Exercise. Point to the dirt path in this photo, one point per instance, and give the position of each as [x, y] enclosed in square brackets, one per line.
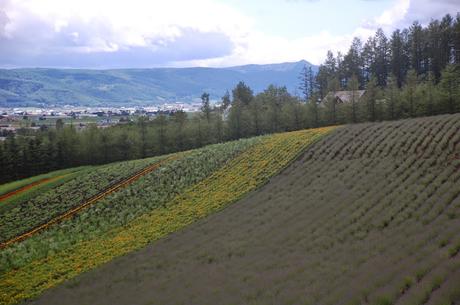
[29, 186]
[87, 203]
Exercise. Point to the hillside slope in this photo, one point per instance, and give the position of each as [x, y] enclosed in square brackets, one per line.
[63, 231]
[368, 215]
[122, 87]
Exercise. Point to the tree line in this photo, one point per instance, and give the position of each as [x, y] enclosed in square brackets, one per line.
[413, 73]
[240, 114]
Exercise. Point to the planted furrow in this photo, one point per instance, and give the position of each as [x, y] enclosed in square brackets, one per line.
[85, 204]
[237, 177]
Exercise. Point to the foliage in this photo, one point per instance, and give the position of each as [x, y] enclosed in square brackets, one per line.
[149, 192]
[35, 189]
[26, 215]
[13, 186]
[237, 177]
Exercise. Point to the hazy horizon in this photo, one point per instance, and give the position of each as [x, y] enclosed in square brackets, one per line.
[156, 67]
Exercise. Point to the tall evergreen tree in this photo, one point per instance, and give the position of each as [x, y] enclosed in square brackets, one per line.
[455, 52]
[353, 86]
[353, 62]
[142, 123]
[226, 101]
[371, 99]
[410, 92]
[393, 108]
[382, 58]
[206, 106]
[243, 93]
[450, 88]
[416, 42]
[331, 102]
[399, 58]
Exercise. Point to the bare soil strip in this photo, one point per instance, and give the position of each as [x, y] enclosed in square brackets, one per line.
[29, 186]
[93, 199]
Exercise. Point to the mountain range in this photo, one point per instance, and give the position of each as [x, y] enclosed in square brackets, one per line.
[123, 87]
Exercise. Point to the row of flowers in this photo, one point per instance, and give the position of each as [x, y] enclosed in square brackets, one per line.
[242, 174]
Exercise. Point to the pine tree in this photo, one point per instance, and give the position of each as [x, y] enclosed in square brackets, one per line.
[371, 99]
[455, 52]
[243, 93]
[428, 94]
[399, 59]
[353, 86]
[416, 47]
[331, 102]
[180, 120]
[410, 93]
[225, 101]
[393, 109]
[313, 110]
[450, 88]
[206, 106]
[142, 125]
[382, 58]
[353, 62]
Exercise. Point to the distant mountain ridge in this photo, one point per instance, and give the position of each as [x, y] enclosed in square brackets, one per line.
[116, 87]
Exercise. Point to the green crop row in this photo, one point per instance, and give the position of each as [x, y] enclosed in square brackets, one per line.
[25, 215]
[215, 185]
[117, 209]
[15, 185]
[31, 191]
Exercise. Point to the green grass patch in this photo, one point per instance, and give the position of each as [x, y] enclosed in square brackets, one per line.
[44, 187]
[15, 185]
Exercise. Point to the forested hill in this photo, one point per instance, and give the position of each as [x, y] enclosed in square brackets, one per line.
[35, 87]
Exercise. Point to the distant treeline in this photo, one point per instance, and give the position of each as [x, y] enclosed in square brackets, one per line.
[414, 73]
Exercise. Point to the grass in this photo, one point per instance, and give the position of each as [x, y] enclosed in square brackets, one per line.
[360, 216]
[30, 194]
[236, 178]
[15, 185]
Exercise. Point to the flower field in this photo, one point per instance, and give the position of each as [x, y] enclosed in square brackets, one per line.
[198, 183]
[26, 214]
[23, 190]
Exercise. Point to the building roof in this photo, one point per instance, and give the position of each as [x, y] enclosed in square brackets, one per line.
[345, 96]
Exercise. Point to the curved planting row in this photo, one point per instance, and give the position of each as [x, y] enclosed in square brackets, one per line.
[110, 189]
[26, 215]
[210, 190]
[117, 209]
[11, 187]
[27, 187]
[17, 192]
[382, 214]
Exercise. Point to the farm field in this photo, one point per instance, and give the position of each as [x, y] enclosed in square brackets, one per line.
[369, 214]
[15, 191]
[191, 186]
[21, 215]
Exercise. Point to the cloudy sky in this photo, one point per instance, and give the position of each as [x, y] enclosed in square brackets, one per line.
[154, 33]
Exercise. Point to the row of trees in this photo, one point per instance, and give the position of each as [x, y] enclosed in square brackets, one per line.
[240, 114]
[31, 152]
[425, 50]
[414, 73]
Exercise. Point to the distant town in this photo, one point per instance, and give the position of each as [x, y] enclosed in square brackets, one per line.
[14, 119]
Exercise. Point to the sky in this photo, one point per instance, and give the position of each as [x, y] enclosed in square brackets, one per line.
[101, 34]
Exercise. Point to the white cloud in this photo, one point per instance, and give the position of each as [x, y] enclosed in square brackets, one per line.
[88, 26]
[110, 33]
[393, 15]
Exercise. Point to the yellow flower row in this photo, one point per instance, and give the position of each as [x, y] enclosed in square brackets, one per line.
[239, 176]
